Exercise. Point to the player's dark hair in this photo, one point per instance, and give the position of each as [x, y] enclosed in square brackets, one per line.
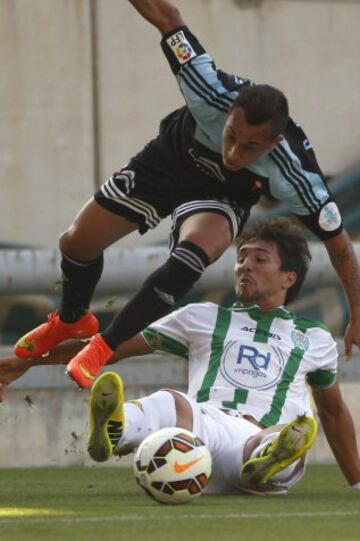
[292, 247]
[264, 103]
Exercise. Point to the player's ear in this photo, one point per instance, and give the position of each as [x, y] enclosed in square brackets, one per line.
[290, 278]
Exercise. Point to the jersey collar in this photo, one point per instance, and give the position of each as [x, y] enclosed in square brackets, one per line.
[279, 311]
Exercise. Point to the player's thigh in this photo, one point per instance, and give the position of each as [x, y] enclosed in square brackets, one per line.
[208, 230]
[137, 197]
[211, 224]
[202, 425]
[94, 229]
[218, 430]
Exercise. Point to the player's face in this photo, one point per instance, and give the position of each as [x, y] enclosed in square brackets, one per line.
[258, 278]
[243, 143]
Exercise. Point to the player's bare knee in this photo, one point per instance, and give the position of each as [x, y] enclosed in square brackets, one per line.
[68, 244]
[65, 242]
[73, 247]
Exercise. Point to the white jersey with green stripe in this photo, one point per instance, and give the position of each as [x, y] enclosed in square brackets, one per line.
[246, 359]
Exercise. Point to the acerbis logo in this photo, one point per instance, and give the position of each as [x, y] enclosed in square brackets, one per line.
[246, 366]
[261, 331]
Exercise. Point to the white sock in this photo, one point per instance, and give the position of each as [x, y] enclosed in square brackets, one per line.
[286, 474]
[145, 416]
[264, 442]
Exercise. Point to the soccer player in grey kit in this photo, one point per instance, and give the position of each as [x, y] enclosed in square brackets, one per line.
[232, 141]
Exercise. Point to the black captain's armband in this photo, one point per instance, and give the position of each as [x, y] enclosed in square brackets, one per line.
[326, 222]
[180, 46]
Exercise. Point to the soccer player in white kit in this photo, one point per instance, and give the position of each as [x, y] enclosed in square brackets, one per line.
[248, 368]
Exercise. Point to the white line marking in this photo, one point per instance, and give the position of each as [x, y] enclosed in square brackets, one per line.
[187, 516]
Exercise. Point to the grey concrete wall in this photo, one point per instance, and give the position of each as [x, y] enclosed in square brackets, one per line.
[46, 128]
[48, 427]
[44, 420]
[60, 133]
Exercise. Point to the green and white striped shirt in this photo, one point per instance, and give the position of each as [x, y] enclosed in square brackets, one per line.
[246, 359]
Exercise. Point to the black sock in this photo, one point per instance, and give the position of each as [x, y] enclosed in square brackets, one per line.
[79, 282]
[159, 293]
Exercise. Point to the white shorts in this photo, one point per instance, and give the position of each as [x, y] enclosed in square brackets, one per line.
[225, 436]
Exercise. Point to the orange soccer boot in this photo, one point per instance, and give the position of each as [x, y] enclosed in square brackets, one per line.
[44, 338]
[84, 367]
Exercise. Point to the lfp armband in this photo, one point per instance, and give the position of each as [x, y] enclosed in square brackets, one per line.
[180, 46]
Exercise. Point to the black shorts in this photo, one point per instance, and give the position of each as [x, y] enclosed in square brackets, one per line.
[148, 189]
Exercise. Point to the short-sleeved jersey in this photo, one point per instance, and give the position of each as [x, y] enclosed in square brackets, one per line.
[249, 360]
[191, 137]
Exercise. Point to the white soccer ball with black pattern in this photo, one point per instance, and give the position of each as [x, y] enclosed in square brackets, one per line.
[172, 465]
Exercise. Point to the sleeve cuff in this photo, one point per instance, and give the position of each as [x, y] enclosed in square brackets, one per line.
[161, 342]
[326, 222]
[321, 378]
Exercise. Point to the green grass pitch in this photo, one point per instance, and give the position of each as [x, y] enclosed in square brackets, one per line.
[93, 504]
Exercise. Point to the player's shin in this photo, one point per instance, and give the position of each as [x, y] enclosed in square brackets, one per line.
[159, 293]
[79, 281]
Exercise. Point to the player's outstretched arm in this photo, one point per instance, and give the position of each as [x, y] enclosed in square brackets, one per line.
[12, 367]
[339, 430]
[160, 13]
[343, 258]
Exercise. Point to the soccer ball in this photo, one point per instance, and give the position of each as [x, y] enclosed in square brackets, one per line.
[172, 465]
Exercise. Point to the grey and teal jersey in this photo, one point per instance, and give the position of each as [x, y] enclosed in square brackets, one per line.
[192, 137]
[256, 362]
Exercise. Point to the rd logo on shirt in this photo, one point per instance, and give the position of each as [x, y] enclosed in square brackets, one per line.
[246, 366]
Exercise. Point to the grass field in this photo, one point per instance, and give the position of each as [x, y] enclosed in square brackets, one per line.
[105, 504]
